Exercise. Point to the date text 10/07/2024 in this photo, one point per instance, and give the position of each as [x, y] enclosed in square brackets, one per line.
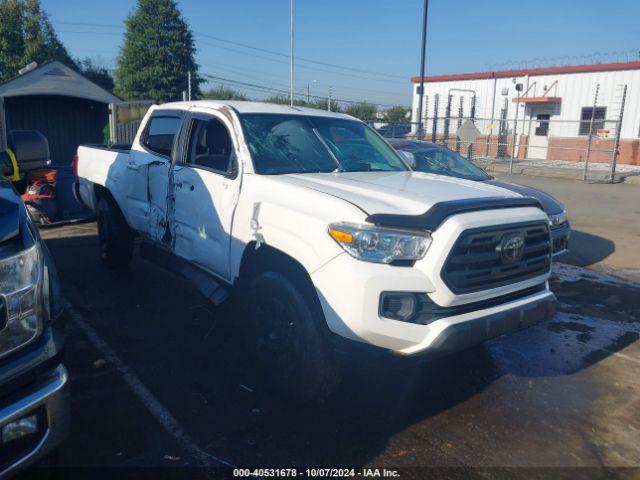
[316, 472]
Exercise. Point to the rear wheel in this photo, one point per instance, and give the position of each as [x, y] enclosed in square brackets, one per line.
[289, 337]
[114, 235]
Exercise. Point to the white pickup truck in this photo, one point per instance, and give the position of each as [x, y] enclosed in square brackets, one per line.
[327, 237]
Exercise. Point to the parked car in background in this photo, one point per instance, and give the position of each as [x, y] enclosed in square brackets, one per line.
[33, 381]
[328, 239]
[394, 130]
[433, 158]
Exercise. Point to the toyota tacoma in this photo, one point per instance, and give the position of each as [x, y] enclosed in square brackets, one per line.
[322, 231]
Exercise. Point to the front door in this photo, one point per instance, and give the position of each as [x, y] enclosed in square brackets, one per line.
[206, 186]
[539, 132]
[148, 173]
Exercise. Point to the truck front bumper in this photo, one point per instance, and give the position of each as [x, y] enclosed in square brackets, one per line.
[47, 402]
[351, 304]
[457, 333]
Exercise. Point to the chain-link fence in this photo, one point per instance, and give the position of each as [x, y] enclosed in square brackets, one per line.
[535, 137]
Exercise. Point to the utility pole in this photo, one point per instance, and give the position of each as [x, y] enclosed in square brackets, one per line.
[329, 100]
[422, 55]
[189, 85]
[292, 53]
[308, 96]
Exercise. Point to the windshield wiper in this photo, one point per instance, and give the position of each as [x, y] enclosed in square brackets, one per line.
[339, 168]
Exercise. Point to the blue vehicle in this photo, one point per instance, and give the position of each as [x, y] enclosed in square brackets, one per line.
[433, 158]
[34, 408]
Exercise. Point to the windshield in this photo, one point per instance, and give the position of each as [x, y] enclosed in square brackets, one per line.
[281, 143]
[443, 161]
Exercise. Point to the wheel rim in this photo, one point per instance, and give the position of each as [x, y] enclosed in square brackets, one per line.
[276, 339]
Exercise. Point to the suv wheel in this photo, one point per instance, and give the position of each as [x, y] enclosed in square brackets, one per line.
[290, 338]
[114, 235]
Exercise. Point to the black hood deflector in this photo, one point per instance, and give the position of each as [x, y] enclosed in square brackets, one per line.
[437, 214]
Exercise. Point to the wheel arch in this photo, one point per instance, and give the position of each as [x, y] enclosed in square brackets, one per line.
[265, 258]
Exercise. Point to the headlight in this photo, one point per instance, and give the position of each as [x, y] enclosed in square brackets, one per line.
[557, 220]
[20, 300]
[380, 245]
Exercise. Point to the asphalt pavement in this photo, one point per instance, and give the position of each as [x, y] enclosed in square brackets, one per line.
[160, 378]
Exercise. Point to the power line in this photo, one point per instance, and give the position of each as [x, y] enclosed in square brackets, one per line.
[283, 62]
[255, 48]
[259, 74]
[275, 60]
[281, 90]
[255, 86]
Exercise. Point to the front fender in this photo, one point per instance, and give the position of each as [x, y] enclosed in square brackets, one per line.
[293, 220]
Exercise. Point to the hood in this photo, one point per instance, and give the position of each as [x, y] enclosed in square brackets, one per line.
[550, 205]
[401, 193]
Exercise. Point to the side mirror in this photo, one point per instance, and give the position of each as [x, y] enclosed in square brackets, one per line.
[408, 157]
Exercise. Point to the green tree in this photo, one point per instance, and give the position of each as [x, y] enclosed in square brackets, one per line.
[322, 105]
[26, 35]
[319, 104]
[362, 110]
[223, 93]
[285, 100]
[157, 54]
[396, 114]
[98, 74]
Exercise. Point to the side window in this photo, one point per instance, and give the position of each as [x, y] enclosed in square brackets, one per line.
[210, 146]
[161, 133]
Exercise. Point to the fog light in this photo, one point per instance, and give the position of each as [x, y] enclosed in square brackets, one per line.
[20, 428]
[398, 306]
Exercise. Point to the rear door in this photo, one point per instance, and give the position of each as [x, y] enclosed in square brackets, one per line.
[206, 187]
[148, 173]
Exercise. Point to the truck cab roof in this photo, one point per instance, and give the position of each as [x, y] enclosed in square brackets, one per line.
[255, 107]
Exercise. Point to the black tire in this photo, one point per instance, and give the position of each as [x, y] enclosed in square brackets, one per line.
[289, 337]
[114, 235]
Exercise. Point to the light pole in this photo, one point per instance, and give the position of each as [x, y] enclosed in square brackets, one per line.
[309, 91]
[422, 55]
[292, 53]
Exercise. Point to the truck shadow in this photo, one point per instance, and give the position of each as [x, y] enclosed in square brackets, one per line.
[587, 249]
[193, 358]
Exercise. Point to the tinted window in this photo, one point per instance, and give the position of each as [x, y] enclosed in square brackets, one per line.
[304, 144]
[161, 133]
[210, 146]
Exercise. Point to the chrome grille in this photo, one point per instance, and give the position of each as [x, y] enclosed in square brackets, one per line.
[476, 263]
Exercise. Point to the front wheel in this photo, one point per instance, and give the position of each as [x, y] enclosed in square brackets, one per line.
[114, 235]
[290, 339]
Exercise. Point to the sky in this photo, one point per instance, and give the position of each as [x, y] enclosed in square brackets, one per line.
[366, 49]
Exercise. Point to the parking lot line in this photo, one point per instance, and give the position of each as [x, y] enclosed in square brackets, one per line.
[148, 399]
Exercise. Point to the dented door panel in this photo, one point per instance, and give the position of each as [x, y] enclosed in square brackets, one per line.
[202, 204]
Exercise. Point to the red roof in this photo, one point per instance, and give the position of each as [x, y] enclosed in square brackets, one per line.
[598, 67]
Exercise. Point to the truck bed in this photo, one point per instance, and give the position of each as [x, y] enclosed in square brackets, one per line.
[99, 165]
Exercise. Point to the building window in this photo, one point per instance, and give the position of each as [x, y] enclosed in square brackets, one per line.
[599, 115]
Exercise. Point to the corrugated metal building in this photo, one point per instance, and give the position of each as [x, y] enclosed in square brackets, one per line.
[554, 108]
[63, 105]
